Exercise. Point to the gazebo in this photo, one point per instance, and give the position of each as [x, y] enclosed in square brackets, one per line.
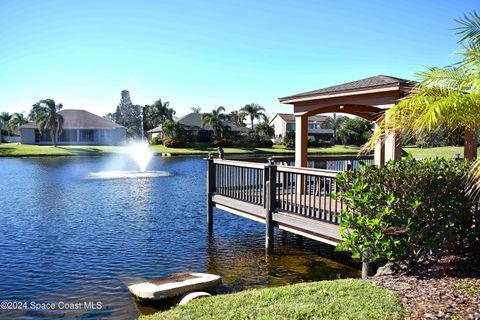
[367, 98]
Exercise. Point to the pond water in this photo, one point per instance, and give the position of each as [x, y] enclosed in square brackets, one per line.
[66, 237]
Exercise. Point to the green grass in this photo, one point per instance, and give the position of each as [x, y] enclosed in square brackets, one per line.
[339, 299]
[202, 149]
[21, 150]
[446, 152]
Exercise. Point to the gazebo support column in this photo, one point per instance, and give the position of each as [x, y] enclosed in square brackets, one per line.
[470, 144]
[379, 152]
[301, 140]
[393, 146]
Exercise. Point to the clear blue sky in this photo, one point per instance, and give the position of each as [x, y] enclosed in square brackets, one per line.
[210, 53]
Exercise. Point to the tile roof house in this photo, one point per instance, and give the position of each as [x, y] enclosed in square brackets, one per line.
[80, 127]
[283, 122]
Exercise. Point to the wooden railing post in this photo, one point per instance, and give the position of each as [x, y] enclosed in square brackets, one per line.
[210, 191]
[270, 199]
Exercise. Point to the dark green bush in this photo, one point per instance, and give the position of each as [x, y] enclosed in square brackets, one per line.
[289, 139]
[157, 140]
[407, 208]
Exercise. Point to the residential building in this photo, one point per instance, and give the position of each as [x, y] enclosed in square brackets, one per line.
[195, 127]
[80, 127]
[284, 122]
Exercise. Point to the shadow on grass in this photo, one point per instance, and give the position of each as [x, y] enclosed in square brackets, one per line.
[89, 150]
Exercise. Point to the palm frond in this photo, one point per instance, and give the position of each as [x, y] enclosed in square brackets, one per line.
[469, 28]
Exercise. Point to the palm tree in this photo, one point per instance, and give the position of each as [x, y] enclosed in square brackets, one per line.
[18, 120]
[196, 109]
[237, 118]
[255, 111]
[46, 115]
[215, 119]
[5, 119]
[335, 124]
[447, 97]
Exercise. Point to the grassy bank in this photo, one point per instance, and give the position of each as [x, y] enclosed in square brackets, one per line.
[279, 150]
[20, 150]
[340, 299]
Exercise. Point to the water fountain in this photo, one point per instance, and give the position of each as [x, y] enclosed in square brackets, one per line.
[141, 153]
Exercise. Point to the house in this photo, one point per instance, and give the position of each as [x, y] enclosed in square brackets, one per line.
[195, 127]
[284, 122]
[80, 127]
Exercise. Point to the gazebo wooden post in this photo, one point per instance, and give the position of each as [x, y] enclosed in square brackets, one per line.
[301, 147]
[301, 140]
[470, 144]
[393, 146]
[379, 152]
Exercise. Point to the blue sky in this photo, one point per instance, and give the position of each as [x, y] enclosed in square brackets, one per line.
[211, 53]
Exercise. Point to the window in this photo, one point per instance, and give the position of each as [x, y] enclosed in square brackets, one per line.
[87, 136]
[290, 127]
[42, 137]
[68, 136]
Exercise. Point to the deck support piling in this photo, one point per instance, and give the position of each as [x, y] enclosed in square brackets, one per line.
[270, 176]
[210, 191]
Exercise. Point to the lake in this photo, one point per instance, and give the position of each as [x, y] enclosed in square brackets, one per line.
[68, 240]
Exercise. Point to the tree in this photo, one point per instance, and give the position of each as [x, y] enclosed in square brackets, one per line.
[334, 123]
[215, 119]
[128, 115]
[264, 130]
[355, 131]
[157, 114]
[237, 118]
[18, 120]
[173, 129]
[196, 109]
[5, 120]
[254, 111]
[46, 115]
[447, 97]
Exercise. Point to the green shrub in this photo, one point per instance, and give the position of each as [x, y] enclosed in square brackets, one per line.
[265, 143]
[406, 208]
[157, 140]
[289, 139]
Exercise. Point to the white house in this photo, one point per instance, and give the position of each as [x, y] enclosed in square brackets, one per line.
[284, 122]
[80, 127]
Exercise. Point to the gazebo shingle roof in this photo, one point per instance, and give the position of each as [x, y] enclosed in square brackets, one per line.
[380, 81]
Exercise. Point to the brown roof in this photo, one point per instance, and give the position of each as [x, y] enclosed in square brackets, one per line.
[80, 119]
[289, 117]
[376, 82]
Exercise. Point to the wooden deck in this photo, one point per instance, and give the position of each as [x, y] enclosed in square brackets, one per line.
[298, 200]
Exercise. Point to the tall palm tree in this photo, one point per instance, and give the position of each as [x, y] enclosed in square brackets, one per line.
[254, 111]
[215, 119]
[46, 115]
[447, 97]
[5, 120]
